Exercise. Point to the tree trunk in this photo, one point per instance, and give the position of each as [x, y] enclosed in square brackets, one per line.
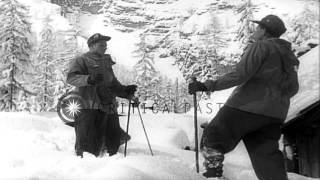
[11, 85]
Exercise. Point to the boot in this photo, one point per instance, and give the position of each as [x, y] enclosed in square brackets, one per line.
[79, 153]
[213, 162]
[111, 153]
[124, 137]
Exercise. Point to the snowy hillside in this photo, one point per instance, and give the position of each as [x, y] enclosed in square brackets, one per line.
[122, 44]
[40, 147]
[199, 20]
[40, 9]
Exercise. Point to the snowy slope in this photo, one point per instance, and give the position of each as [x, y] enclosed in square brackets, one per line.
[283, 8]
[40, 147]
[39, 10]
[122, 44]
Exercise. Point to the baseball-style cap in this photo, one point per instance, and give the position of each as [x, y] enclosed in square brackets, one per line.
[97, 37]
[273, 24]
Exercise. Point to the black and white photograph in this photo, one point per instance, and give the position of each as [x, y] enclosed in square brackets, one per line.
[159, 90]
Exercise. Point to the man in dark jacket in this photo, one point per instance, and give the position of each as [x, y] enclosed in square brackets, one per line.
[266, 77]
[97, 126]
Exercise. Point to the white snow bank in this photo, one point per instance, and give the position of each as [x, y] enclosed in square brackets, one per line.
[309, 81]
[164, 129]
[40, 147]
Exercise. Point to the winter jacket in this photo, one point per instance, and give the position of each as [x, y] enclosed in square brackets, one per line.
[266, 77]
[102, 95]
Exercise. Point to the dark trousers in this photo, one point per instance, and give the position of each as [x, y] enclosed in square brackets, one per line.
[259, 133]
[96, 131]
[111, 133]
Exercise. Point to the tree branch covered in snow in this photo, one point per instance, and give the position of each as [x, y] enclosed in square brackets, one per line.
[15, 51]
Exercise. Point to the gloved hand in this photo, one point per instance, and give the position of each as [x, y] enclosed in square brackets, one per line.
[95, 79]
[195, 86]
[131, 89]
[135, 101]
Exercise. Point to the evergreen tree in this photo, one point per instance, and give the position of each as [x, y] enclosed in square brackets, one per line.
[200, 58]
[15, 51]
[122, 74]
[146, 73]
[185, 100]
[304, 26]
[246, 28]
[65, 54]
[62, 62]
[176, 94]
[45, 66]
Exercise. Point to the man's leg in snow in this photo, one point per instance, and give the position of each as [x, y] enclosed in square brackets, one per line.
[267, 160]
[86, 130]
[113, 134]
[218, 138]
[81, 126]
[229, 126]
[213, 162]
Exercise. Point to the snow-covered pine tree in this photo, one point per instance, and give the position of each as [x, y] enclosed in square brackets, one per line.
[146, 73]
[62, 61]
[168, 101]
[176, 94]
[185, 100]
[45, 66]
[121, 72]
[246, 28]
[15, 51]
[68, 51]
[304, 26]
[199, 57]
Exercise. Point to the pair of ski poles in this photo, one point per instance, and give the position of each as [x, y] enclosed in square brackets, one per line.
[127, 130]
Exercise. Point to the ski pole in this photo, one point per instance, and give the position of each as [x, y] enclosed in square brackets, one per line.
[127, 130]
[196, 128]
[145, 133]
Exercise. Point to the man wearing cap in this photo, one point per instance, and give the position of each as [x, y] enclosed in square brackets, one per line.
[266, 79]
[97, 125]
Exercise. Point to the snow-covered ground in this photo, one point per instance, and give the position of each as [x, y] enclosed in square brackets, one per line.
[40, 147]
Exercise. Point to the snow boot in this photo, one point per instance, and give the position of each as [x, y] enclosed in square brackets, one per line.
[213, 162]
[124, 137]
[79, 153]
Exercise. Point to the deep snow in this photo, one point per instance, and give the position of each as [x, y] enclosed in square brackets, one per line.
[40, 147]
